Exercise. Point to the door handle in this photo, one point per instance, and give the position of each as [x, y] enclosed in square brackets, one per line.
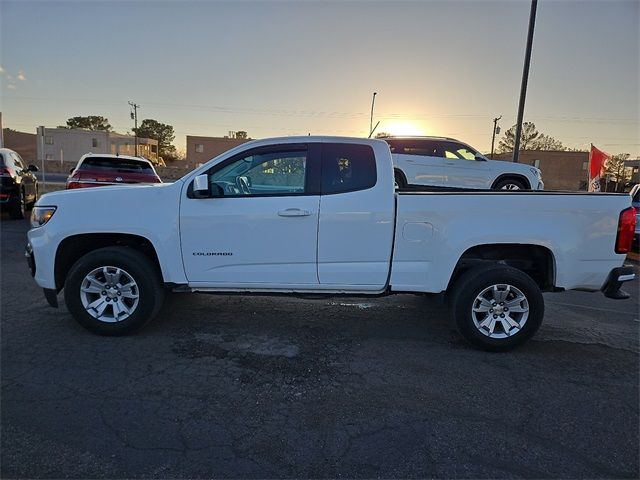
[294, 212]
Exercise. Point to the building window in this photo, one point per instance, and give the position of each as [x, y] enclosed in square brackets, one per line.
[154, 148]
[536, 163]
[585, 165]
[94, 142]
[199, 148]
[48, 156]
[48, 140]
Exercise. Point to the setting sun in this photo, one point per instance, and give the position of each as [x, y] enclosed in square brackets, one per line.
[402, 127]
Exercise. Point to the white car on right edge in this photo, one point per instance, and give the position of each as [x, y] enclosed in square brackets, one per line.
[446, 162]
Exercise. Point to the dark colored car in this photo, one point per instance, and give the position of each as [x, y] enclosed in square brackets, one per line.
[96, 170]
[19, 186]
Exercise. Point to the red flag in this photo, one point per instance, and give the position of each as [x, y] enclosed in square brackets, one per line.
[597, 161]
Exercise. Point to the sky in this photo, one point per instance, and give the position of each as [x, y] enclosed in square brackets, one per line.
[276, 68]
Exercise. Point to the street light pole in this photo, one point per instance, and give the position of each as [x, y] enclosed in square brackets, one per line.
[134, 117]
[525, 79]
[493, 138]
[373, 101]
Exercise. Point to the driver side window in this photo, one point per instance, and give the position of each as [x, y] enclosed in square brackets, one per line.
[458, 151]
[260, 174]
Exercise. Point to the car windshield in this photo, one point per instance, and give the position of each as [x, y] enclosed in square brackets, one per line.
[119, 164]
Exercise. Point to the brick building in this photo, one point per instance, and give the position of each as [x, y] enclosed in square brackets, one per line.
[560, 170]
[203, 149]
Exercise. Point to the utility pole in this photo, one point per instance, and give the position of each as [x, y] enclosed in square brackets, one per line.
[496, 131]
[373, 101]
[134, 117]
[525, 79]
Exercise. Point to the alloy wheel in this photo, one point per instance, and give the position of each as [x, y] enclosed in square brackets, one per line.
[109, 294]
[500, 311]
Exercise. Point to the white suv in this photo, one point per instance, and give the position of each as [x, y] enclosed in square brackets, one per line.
[445, 162]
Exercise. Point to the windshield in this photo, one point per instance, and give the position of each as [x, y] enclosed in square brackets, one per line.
[119, 164]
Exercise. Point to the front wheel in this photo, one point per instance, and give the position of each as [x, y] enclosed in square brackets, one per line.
[113, 291]
[510, 184]
[497, 308]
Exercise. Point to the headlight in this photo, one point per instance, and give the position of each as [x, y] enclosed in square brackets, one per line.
[536, 172]
[41, 215]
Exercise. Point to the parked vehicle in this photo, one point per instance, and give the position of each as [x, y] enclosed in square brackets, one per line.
[18, 186]
[320, 215]
[97, 170]
[446, 162]
[635, 202]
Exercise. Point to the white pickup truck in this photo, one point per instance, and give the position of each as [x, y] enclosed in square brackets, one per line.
[320, 215]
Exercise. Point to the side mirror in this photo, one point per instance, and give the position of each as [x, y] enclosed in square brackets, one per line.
[32, 168]
[201, 187]
[480, 158]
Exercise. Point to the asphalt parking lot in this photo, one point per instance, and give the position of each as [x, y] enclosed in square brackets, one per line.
[255, 387]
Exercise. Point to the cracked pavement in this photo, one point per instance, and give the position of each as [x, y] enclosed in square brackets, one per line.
[255, 387]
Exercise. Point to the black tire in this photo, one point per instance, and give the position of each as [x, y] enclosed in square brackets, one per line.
[17, 210]
[399, 179]
[138, 266]
[465, 297]
[513, 182]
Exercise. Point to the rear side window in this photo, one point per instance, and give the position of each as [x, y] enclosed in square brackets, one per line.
[636, 196]
[427, 148]
[2, 164]
[119, 164]
[347, 168]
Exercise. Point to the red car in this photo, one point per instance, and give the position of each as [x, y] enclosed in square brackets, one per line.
[96, 170]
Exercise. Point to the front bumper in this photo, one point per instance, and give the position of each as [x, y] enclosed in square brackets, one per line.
[50, 294]
[616, 278]
[31, 261]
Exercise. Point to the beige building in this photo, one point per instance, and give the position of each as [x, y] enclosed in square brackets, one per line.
[560, 170]
[203, 149]
[68, 144]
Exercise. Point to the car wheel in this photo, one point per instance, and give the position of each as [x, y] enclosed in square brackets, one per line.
[399, 179]
[17, 210]
[113, 291]
[510, 184]
[497, 308]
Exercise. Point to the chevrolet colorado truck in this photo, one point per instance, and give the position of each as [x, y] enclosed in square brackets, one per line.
[321, 215]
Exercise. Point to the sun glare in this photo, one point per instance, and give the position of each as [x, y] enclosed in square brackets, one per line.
[404, 127]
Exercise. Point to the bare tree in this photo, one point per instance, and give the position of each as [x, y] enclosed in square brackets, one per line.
[616, 170]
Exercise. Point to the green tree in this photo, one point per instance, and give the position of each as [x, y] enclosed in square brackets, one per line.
[617, 171]
[91, 122]
[242, 134]
[530, 139]
[546, 142]
[382, 135]
[161, 132]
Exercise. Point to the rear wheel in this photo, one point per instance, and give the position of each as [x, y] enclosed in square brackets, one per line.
[510, 184]
[497, 308]
[17, 210]
[113, 291]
